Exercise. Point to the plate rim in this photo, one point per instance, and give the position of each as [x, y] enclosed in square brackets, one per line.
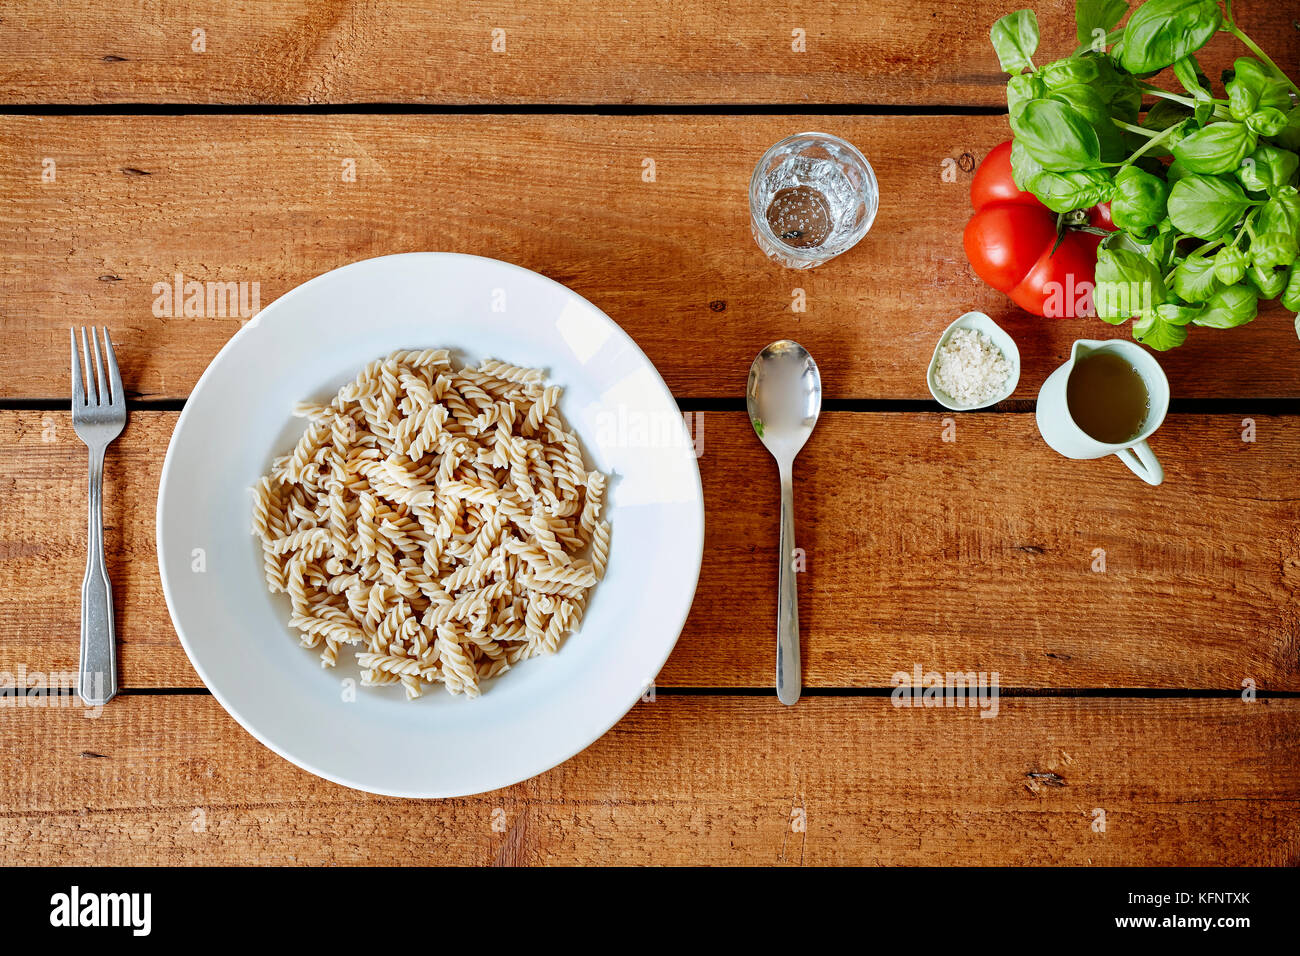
[160, 549]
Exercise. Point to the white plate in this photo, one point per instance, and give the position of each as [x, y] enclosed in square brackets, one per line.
[306, 345]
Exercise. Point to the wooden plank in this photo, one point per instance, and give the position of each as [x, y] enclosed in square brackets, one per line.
[975, 554]
[168, 780]
[555, 51]
[260, 200]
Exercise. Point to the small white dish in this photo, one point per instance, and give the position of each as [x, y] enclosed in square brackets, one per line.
[978, 322]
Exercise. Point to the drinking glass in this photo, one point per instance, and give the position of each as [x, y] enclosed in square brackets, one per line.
[812, 197]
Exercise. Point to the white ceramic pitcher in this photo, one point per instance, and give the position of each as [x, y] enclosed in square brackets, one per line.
[1062, 434]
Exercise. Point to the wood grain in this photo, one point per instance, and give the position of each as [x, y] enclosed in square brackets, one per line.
[556, 51]
[974, 554]
[260, 199]
[690, 780]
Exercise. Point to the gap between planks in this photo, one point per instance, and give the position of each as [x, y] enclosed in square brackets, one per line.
[495, 109]
[1118, 693]
[1185, 406]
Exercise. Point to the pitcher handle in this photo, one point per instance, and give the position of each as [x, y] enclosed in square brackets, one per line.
[1142, 462]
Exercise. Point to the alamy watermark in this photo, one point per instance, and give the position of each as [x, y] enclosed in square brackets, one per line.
[130, 910]
[192, 299]
[625, 428]
[949, 689]
[48, 689]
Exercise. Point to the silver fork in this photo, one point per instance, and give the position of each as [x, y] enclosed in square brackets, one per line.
[98, 416]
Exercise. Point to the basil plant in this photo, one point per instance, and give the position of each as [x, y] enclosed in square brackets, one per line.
[1203, 187]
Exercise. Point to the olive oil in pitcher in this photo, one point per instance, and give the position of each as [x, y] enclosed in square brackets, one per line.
[1108, 398]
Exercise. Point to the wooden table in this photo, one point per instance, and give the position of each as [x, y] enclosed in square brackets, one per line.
[140, 141]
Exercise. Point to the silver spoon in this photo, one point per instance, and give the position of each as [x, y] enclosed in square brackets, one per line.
[784, 397]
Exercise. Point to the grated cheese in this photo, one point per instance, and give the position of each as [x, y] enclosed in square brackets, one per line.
[972, 370]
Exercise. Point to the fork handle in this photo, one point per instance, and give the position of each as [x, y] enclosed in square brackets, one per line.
[97, 677]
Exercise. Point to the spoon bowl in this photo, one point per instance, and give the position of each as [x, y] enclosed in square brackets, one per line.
[784, 398]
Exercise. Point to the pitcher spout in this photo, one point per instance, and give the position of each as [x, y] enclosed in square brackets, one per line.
[1083, 348]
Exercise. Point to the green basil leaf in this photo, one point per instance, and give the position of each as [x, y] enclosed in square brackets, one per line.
[1177, 314]
[1194, 80]
[1071, 71]
[1281, 213]
[1291, 294]
[1174, 172]
[1119, 239]
[1289, 136]
[1127, 284]
[1164, 114]
[1117, 88]
[1022, 88]
[1088, 103]
[1159, 249]
[1204, 108]
[1077, 189]
[1229, 307]
[1230, 265]
[1269, 250]
[1015, 39]
[1266, 121]
[1161, 32]
[1139, 200]
[1217, 148]
[1205, 206]
[1189, 73]
[1157, 332]
[1057, 136]
[1023, 166]
[1194, 279]
[1097, 72]
[1095, 18]
[1268, 283]
[1254, 86]
[1268, 168]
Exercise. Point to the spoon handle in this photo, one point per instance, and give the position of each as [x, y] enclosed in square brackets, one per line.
[789, 679]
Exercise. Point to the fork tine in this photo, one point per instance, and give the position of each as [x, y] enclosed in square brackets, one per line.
[101, 383]
[91, 397]
[114, 376]
[78, 390]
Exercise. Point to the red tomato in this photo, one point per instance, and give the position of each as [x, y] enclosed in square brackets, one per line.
[994, 182]
[1099, 216]
[1010, 239]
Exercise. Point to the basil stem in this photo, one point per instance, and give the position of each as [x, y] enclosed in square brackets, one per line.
[1133, 129]
[1245, 227]
[1220, 106]
[1230, 26]
[1154, 141]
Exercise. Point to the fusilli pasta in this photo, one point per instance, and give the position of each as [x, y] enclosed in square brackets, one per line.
[439, 520]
